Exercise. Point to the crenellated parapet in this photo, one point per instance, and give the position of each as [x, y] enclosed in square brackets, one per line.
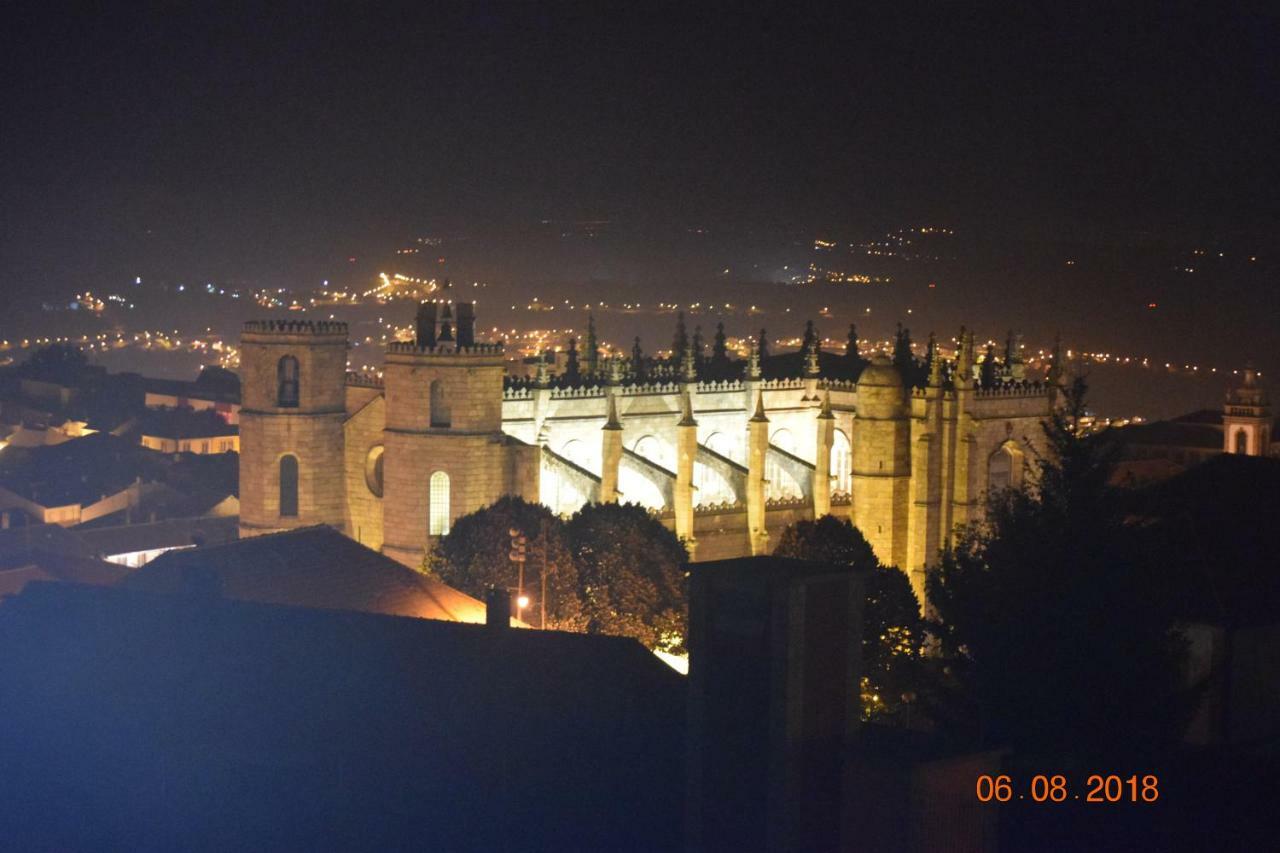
[364, 380]
[714, 386]
[1012, 389]
[578, 392]
[295, 327]
[446, 349]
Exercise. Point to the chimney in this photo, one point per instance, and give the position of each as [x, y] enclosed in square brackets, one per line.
[498, 608]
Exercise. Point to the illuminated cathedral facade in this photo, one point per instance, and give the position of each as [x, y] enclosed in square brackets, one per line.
[726, 455]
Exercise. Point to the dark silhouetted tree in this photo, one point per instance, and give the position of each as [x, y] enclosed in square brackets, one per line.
[630, 575]
[593, 347]
[637, 361]
[1050, 613]
[762, 345]
[893, 636]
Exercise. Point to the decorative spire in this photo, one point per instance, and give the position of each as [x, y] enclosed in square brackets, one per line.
[611, 421]
[680, 341]
[720, 348]
[572, 373]
[760, 415]
[686, 409]
[688, 365]
[825, 412]
[935, 363]
[593, 346]
[811, 358]
[543, 377]
[615, 370]
[753, 361]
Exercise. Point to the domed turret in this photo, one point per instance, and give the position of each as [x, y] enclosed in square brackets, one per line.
[880, 390]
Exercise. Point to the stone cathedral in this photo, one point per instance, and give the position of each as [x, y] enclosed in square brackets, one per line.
[726, 457]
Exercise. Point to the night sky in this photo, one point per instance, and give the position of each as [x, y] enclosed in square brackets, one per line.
[208, 141]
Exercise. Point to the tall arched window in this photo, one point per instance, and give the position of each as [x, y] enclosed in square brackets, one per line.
[1242, 442]
[287, 382]
[1004, 468]
[780, 482]
[288, 486]
[440, 414]
[841, 463]
[438, 522]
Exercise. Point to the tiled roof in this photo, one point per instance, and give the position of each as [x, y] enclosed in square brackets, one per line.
[311, 567]
[17, 544]
[173, 533]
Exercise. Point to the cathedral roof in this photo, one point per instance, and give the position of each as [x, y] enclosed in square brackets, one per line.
[310, 567]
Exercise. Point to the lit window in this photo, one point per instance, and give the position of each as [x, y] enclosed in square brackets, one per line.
[438, 524]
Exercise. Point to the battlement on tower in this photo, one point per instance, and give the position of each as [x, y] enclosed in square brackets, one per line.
[412, 348]
[295, 327]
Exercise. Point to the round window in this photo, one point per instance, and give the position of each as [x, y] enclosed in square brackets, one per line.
[373, 470]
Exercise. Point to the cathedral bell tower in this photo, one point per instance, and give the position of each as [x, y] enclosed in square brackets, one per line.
[1246, 420]
[292, 380]
[443, 434]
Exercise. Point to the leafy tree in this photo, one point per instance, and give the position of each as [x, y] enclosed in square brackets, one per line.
[631, 575]
[699, 356]
[475, 554]
[762, 345]
[902, 356]
[1051, 621]
[893, 633]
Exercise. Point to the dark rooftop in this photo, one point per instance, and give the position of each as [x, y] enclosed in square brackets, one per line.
[310, 567]
[184, 422]
[171, 533]
[80, 471]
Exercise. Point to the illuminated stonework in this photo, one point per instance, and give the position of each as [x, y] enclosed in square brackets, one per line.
[726, 464]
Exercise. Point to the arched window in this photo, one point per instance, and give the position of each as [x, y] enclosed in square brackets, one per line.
[288, 487]
[1242, 442]
[287, 382]
[1004, 468]
[780, 482]
[440, 414]
[438, 523]
[841, 463]
[650, 448]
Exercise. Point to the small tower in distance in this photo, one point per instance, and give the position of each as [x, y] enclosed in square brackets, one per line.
[1246, 420]
[292, 379]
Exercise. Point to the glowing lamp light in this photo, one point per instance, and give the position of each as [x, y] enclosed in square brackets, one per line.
[522, 602]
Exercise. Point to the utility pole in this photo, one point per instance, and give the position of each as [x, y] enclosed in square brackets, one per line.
[518, 557]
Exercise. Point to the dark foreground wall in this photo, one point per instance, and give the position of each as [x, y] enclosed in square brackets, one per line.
[143, 722]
